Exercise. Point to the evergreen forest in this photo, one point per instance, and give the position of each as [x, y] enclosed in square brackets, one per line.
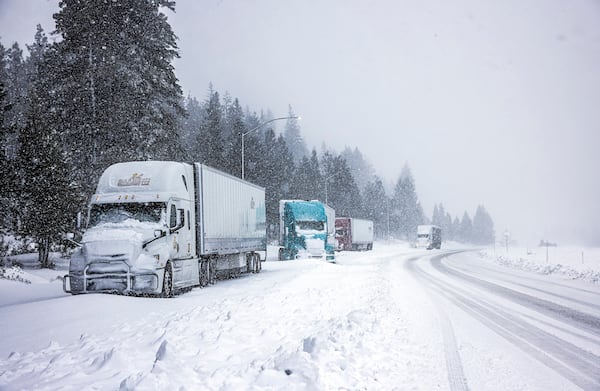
[105, 91]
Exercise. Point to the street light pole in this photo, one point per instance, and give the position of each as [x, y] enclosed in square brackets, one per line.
[256, 128]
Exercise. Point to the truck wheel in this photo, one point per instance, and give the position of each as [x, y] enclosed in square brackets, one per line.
[212, 271]
[167, 290]
[255, 263]
[204, 276]
[258, 264]
[280, 254]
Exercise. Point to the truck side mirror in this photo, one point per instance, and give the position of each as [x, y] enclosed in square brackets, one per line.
[70, 237]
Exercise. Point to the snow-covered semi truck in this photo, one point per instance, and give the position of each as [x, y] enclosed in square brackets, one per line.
[353, 234]
[429, 237]
[303, 230]
[159, 228]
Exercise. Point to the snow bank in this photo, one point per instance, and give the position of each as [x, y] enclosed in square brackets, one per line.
[567, 262]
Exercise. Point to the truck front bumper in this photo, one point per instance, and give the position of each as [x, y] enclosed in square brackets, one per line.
[112, 277]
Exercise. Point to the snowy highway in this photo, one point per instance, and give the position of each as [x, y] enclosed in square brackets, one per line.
[391, 318]
[554, 324]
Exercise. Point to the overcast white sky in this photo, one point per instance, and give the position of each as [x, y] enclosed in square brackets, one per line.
[492, 102]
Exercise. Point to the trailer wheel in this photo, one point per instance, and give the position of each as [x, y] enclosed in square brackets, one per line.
[212, 270]
[255, 259]
[167, 290]
[249, 263]
[258, 263]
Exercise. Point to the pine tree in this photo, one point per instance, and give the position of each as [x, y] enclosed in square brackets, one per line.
[444, 222]
[115, 84]
[47, 197]
[17, 85]
[5, 166]
[308, 183]
[466, 229]
[406, 210]
[190, 127]
[293, 139]
[435, 216]
[341, 191]
[362, 171]
[483, 227]
[210, 137]
[448, 229]
[456, 234]
[377, 207]
[235, 126]
[280, 170]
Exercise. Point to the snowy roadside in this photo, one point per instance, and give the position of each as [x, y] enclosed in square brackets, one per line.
[362, 323]
[27, 282]
[298, 325]
[572, 263]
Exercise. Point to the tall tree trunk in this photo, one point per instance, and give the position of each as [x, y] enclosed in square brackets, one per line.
[43, 252]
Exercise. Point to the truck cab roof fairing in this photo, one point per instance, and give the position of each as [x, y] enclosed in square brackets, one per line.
[307, 210]
[147, 177]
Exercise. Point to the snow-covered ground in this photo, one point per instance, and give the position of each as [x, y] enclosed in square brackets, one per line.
[365, 322]
[569, 262]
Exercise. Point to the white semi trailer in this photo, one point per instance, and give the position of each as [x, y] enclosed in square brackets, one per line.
[160, 228]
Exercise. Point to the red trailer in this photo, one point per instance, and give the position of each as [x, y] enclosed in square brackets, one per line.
[353, 234]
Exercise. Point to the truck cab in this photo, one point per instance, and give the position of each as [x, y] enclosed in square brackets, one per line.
[429, 237]
[303, 230]
[139, 219]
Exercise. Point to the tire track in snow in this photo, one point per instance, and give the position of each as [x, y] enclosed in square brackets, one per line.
[581, 320]
[456, 376]
[579, 366]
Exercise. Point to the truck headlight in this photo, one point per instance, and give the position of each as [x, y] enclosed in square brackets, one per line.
[145, 282]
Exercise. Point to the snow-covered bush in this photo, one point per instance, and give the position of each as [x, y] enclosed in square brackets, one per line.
[13, 273]
[12, 245]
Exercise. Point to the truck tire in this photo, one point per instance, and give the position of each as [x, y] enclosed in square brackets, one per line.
[167, 290]
[212, 270]
[204, 273]
[256, 266]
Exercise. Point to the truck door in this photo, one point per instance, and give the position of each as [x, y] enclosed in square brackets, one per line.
[181, 252]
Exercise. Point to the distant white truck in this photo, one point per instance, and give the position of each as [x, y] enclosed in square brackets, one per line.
[353, 234]
[159, 228]
[429, 237]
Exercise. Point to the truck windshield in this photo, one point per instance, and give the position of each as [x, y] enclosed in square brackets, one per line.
[310, 225]
[340, 232]
[152, 212]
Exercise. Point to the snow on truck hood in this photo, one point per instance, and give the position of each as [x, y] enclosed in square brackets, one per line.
[131, 231]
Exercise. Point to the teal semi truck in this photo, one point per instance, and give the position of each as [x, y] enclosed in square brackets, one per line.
[304, 228]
